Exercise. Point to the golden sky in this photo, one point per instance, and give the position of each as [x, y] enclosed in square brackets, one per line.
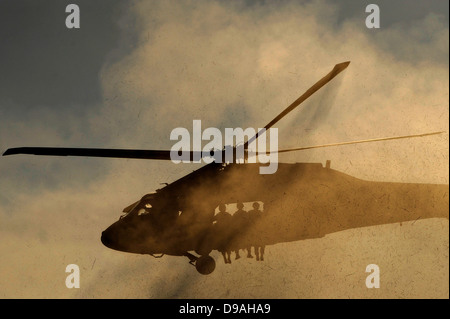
[235, 65]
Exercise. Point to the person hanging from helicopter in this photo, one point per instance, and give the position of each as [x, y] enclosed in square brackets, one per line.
[240, 225]
[223, 222]
[255, 216]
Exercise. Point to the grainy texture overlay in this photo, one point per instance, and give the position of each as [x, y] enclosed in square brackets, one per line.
[135, 70]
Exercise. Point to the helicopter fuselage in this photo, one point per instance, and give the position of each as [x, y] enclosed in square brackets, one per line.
[301, 201]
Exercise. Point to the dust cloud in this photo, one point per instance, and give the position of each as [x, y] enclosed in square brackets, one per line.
[233, 65]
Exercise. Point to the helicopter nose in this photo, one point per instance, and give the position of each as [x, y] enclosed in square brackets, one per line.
[106, 239]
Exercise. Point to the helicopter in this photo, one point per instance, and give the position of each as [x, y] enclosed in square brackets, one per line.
[300, 201]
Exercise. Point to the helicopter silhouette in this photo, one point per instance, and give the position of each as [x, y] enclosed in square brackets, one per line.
[301, 201]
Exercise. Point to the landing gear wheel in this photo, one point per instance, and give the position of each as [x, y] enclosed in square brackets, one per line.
[204, 246]
[205, 265]
[203, 250]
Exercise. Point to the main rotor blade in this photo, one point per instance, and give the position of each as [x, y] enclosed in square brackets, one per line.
[338, 68]
[353, 142]
[93, 152]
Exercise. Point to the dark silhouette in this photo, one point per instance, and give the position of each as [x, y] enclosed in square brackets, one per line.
[255, 216]
[223, 225]
[240, 225]
[301, 201]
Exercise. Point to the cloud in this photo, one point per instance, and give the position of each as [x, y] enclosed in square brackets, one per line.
[192, 60]
[232, 65]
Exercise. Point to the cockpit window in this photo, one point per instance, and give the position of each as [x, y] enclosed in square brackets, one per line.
[140, 208]
[145, 210]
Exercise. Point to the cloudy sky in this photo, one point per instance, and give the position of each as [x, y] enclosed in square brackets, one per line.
[136, 70]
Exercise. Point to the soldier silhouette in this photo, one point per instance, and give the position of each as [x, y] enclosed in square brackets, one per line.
[240, 225]
[254, 217]
[223, 223]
